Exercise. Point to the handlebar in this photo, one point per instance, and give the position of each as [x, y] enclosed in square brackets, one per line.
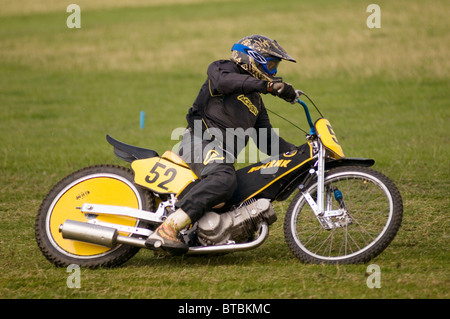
[312, 130]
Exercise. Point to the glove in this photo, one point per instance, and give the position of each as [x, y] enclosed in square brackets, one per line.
[283, 90]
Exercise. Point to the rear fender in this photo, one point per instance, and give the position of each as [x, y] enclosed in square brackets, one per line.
[129, 153]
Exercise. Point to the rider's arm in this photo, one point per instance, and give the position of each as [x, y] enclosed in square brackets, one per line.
[225, 78]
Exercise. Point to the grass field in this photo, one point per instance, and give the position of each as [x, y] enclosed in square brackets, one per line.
[385, 90]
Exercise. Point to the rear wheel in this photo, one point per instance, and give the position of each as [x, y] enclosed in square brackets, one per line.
[102, 184]
[366, 219]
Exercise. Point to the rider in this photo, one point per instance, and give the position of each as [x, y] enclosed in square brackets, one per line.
[229, 99]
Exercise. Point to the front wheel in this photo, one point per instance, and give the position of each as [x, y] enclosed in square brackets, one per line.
[367, 212]
[101, 184]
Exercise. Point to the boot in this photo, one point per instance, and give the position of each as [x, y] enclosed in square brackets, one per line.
[165, 236]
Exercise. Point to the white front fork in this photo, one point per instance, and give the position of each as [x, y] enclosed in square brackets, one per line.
[320, 179]
[318, 206]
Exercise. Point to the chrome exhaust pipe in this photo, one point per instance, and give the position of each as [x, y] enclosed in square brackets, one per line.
[109, 237]
[96, 234]
[229, 248]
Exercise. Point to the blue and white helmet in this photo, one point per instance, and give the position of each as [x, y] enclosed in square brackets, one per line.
[259, 55]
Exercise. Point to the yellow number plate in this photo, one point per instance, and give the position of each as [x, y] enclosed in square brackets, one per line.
[328, 138]
[161, 175]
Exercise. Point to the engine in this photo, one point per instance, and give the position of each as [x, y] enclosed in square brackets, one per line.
[237, 225]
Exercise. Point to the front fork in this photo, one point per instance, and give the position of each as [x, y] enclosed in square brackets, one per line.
[322, 207]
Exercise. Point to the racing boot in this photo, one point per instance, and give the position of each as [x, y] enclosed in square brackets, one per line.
[165, 236]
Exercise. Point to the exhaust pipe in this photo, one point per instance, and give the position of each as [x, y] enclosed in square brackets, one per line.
[230, 248]
[109, 237]
[97, 234]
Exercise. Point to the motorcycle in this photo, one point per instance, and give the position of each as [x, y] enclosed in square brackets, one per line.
[343, 212]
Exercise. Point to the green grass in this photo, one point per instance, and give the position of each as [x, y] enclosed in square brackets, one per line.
[384, 90]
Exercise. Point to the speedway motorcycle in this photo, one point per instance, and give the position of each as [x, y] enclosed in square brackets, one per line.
[343, 211]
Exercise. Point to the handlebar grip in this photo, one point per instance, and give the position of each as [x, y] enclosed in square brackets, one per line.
[298, 93]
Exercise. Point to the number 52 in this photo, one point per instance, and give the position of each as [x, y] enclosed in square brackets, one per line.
[170, 173]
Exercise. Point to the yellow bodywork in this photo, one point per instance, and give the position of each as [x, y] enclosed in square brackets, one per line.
[164, 175]
[328, 138]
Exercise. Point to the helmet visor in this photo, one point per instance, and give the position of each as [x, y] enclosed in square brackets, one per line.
[272, 65]
[269, 64]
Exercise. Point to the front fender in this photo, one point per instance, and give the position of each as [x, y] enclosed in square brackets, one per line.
[305, 177]
[349, 161]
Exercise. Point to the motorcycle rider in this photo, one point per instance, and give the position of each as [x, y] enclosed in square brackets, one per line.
[229, 98]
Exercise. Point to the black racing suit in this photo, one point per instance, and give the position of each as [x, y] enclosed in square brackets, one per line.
[227, 111]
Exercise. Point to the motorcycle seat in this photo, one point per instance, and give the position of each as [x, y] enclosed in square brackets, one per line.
[129, 152]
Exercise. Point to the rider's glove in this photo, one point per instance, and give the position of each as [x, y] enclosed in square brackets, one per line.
[283, 90]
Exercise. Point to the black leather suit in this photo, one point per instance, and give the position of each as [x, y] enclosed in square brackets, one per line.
[226, 111]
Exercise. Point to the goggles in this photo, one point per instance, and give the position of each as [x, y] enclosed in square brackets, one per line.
[269, 64]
